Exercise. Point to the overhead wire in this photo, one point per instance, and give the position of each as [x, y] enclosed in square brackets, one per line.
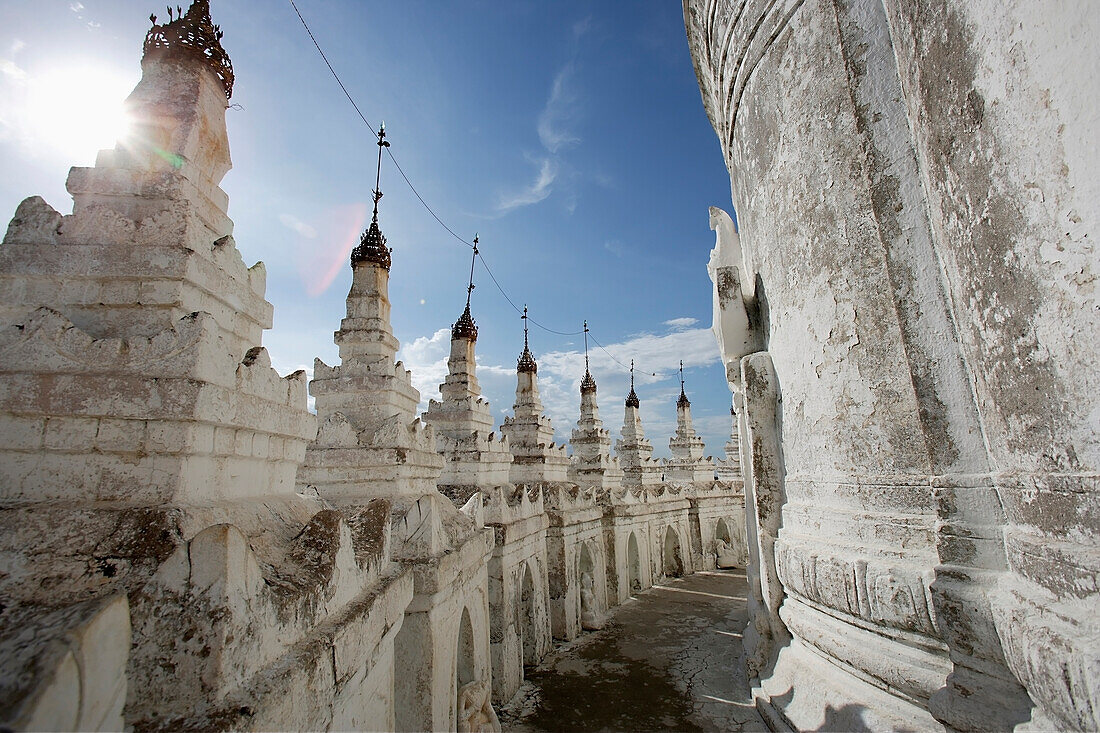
[424, 203]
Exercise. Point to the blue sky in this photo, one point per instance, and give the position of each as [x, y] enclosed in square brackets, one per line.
[569, 135]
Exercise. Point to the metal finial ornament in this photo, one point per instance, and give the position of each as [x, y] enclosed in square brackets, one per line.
[465, 327]
[191, 35]
[382, 143]
[473, 259]
[526, 361]
[372, 247]
[632, 398]
[588, 384]
[683, 401]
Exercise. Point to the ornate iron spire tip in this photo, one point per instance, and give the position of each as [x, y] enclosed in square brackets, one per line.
[526, 361]
[191, 35]
[588, 384]
[464, 327]
[372, 247]
[632, 398]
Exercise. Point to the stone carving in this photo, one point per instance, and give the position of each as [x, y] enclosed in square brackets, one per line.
[591, 618]
[725, 556]
[735, 322]
[475, 711]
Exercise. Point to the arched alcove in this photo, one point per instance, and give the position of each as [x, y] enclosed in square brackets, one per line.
[722, 532]
[673, 555]
[634, 564]
[465, 669]
[528, 628]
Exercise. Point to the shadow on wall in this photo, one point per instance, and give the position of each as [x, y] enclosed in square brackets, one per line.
[846, 717]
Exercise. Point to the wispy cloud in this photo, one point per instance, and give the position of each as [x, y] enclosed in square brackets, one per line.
[615, 247]
[555, 130]
[534, 193]
[295, 224]
[554, 133]
[8, 67]
[680, 324]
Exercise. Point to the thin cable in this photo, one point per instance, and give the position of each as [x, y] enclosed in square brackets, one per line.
[332, 70]
[425, 203]
[624, 366]
[517, 309]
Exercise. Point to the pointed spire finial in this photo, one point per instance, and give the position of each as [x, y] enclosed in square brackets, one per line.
[526, 361]
[588, 384]
[465, 327]
[378, 172]
[473, 259]
[632, 398]
[372, 245]
[586, 346]
[683, 401]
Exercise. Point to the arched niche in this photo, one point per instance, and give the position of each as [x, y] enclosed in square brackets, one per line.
[634, 564]
[528, 617]
[673, 565]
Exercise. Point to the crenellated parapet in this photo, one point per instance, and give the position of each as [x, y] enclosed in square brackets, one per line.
[172, 418]
[505, 505]
[235, 613]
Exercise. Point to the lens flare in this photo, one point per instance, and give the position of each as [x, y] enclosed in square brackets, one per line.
[321, 258]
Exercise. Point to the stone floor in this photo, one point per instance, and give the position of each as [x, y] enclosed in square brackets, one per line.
[668, 659]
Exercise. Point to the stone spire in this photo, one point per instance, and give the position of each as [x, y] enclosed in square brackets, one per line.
[367, 403]
[143, 286]
[172, 164]
[634, 451]
[592, 464]
[687, 465]
[730, 468]
[529, 432]
[462, 421]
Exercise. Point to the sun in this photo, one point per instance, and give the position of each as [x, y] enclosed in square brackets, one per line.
[74, 110]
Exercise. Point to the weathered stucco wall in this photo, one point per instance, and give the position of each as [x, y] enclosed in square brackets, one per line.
[914, 188]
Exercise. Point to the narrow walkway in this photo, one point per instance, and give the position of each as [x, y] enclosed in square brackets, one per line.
[668, 660]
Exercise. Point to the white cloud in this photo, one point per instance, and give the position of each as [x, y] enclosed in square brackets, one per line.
[76, 7]
[553, 130]
[426, 357]
[534, 193]
[681, 323]
[657, 360]
[8, 67]
[297, 225]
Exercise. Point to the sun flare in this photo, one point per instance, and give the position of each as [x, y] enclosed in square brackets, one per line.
[74, 111]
